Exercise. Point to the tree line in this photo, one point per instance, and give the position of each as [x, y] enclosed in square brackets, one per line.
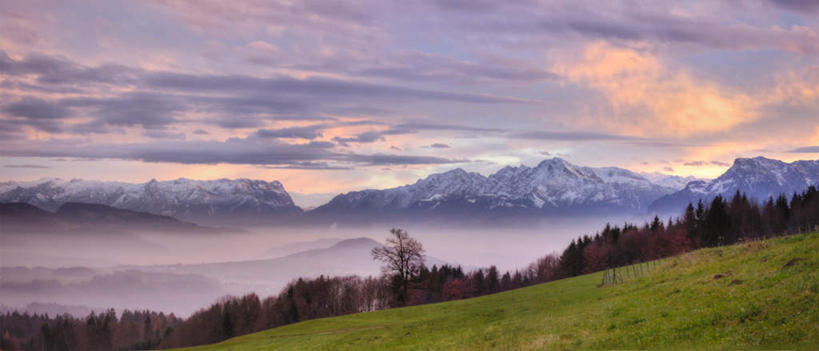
[407, 281]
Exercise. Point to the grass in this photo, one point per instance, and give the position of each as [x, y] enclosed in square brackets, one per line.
[760, 302]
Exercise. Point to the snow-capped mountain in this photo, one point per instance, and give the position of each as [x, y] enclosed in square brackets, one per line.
[669, 180]
[553, 186]
[181, 198]
[758, 177]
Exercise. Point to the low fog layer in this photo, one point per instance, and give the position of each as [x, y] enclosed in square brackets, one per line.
[181, 272]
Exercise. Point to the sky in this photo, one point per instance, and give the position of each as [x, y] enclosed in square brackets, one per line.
[335, 96]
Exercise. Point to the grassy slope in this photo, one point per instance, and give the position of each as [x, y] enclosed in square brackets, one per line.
[678, 305]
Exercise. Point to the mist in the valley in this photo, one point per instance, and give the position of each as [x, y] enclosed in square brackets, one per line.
[181, 272]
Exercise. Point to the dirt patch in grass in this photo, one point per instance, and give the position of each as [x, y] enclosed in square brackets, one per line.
[793, 262]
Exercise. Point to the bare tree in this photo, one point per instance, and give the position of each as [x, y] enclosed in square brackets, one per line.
[403, 257]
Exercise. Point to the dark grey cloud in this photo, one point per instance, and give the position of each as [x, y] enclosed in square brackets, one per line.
[157, 100]
[251, 150]
[34, 112]
[59, 70]
[148, 110]
[200, 132]
[36, 108]
[366, 137]
[239, 122]
[807, 149]
[308, 132]
[439, 146]
[332, 89]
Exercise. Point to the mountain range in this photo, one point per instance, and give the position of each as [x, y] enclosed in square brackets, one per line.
[553, 187]
[89, 218]
[759, 178]
[196, 200]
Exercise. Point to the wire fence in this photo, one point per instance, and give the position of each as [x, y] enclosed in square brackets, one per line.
[618, 275]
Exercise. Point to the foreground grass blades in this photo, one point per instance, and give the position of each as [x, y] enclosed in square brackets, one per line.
[756, 295]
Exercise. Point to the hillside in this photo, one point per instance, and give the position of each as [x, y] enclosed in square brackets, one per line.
[753, 295]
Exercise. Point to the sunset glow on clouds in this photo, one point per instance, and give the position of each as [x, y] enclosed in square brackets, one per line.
[336, 96]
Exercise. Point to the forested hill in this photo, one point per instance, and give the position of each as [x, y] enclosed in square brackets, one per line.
[755, 295]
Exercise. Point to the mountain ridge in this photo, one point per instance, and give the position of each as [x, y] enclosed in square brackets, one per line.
[554, 185]
[199, 200]
[758, 177]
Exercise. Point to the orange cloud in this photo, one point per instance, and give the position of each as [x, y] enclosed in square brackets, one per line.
[648, 98]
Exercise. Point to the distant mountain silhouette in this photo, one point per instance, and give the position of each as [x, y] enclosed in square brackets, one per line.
[88, 218]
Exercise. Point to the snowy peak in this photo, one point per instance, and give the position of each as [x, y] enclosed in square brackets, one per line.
[554, 185]
[182, 198]
[670, 181]
[758, 177]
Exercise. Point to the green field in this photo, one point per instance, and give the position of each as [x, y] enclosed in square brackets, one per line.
[767, 298]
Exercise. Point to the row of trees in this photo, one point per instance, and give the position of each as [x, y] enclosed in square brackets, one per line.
[719, 222]
[132, 330]
[407, 281]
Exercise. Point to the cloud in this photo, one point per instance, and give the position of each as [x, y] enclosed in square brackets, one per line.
[331, 89]
[160, 134]
[148, 110]
[703, 24]
[806, 149]
[439, 146]
[387, 159]
[37, 113]
[55, 70]
[26, 166]
[572, 136]
[36, 108]
[309, 132]
[705, 163]
[366, 137]
[807, 6]
[122, 96]
[648, 98]
[309, 166]
[252, 150]
[413, 127]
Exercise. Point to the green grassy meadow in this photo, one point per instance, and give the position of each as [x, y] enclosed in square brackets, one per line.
[766, 298]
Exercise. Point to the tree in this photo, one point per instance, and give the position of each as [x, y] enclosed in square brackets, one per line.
[492, 279]
[403, 257]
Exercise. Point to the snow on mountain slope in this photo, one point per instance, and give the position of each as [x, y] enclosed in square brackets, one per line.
[554, 184]
[182, 198]
[757, 177]
[669, 180]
